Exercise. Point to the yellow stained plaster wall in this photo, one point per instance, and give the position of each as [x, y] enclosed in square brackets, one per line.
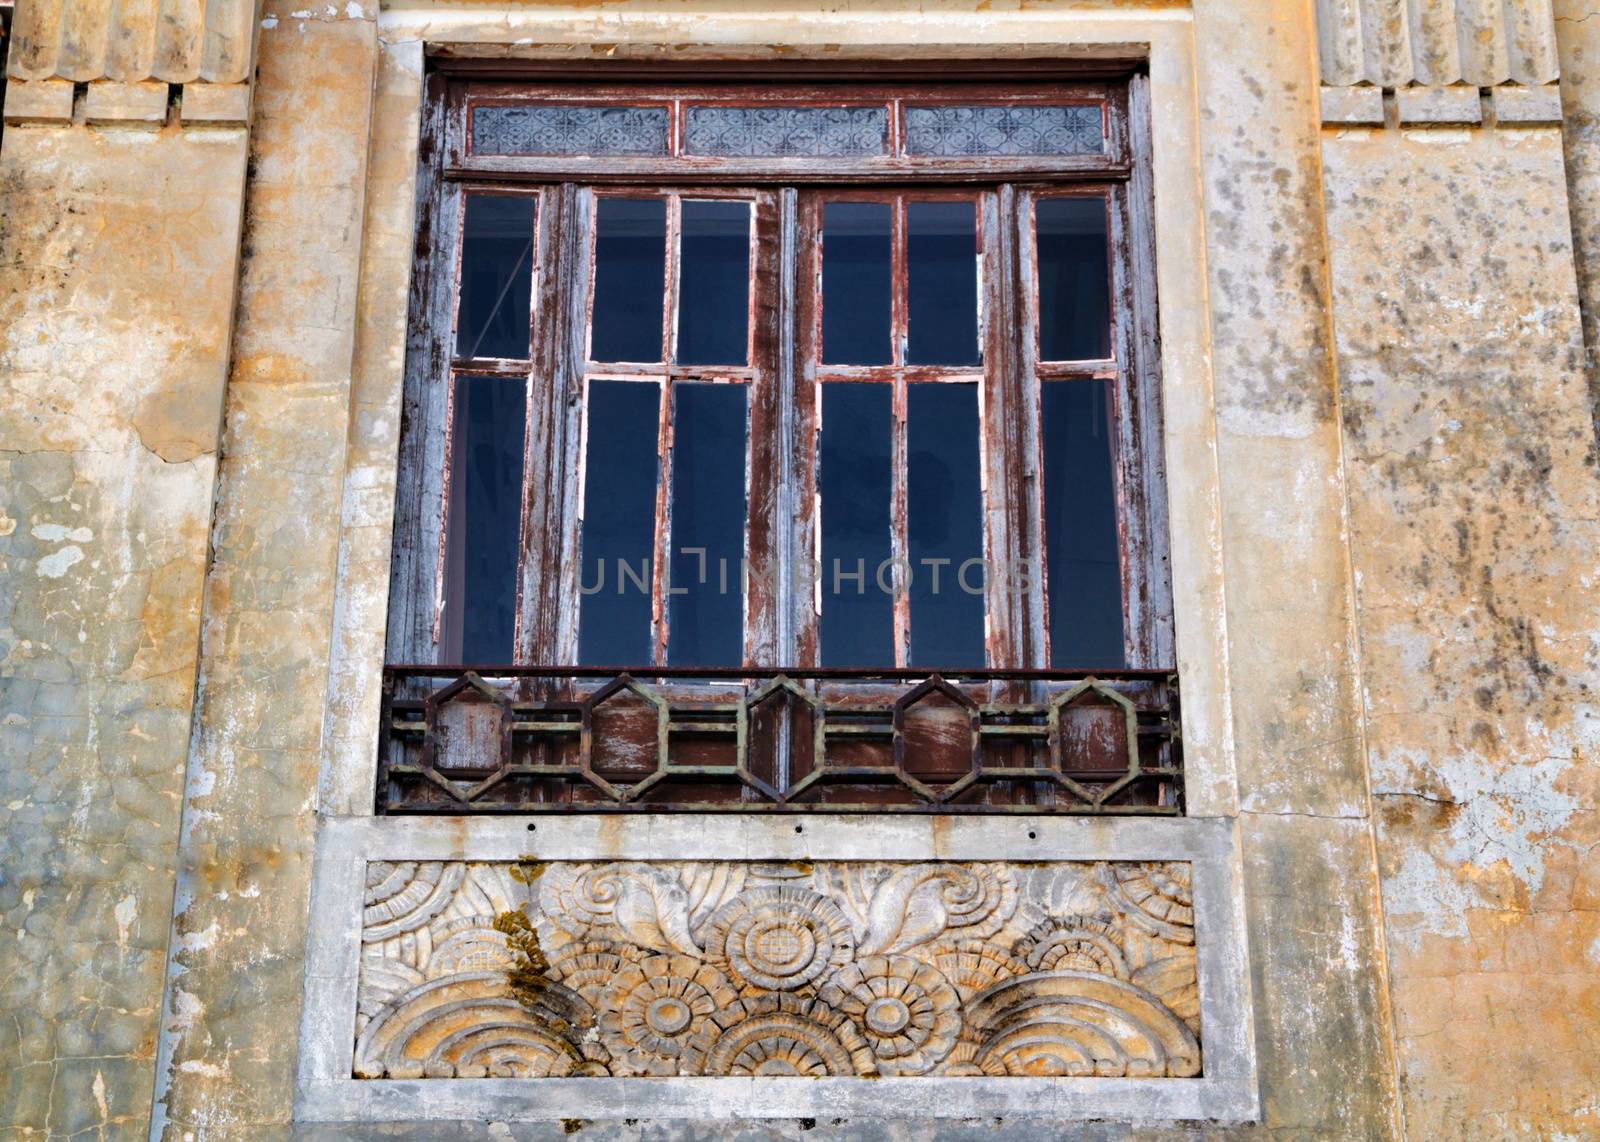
[118, 257]
[1475, 533]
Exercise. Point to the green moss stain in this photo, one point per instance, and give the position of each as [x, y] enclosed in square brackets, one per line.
[526, 975]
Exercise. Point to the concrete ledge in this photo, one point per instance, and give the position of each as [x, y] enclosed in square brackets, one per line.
[1352, 106]
[137, 104]
[326, 1092]
[1439, 106]
[1527, 106]
[38, 101]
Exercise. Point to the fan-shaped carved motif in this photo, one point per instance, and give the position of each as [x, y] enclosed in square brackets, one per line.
[626, 968]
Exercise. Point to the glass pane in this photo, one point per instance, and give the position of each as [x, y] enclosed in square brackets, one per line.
[630, 273]
[942, 272]
[496, 277]
[708, 514]
[944, 516]
[619, 523]
[1005, 130]
[484, 519]
[1080, 510]
[714, 284]
[551, 129]
[782, 132]
[1074, 279]
[856, 487]
[856, 287]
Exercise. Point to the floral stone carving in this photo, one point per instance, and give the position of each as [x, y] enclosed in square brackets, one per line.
[729, 968]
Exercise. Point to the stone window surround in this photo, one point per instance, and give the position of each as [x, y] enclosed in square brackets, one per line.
[349, 835]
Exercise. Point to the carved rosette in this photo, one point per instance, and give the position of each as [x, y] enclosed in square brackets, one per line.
[779, 938]
[908, 1010]
[730, 968]
[658, 1016]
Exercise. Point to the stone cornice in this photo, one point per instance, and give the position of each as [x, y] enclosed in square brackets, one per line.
[125, 61]
[1436, 43]
[1445, 62]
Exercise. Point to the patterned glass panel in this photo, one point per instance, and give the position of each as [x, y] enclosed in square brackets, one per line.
[1022, 130]
[783, 132]
[569, 129]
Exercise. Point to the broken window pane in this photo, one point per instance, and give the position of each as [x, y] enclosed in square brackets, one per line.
[619, 523]
[944, 512]
[856, 286]
[708, 514]
[1074, 280]
[496, 277]
[942, 272]
[1080, 509]
[484, 519]
[856, 484]
[714, 284]
[630, 270]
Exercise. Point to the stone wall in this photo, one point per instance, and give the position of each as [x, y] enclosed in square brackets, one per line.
[119, 253]
[1376, 224]
[1470, 454]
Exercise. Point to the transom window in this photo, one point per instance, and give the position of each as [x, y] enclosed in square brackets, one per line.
[803, 378]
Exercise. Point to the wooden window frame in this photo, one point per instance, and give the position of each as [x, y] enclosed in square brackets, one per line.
[784, 378]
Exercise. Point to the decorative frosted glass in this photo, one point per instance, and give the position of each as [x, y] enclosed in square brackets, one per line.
[952, 132]
[569, 129]
[783, 132]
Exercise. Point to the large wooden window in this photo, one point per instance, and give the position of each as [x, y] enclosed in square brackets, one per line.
[848, 391]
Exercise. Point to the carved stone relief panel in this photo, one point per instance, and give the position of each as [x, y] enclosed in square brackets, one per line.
[725, 968]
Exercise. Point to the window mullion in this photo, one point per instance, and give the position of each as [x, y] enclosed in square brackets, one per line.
[661, 576]
[899, 537]
[805, 440]
[568, 294]
[770, 508]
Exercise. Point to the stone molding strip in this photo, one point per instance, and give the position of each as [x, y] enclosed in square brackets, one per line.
[110, 103]
[1455, 106]
[1437, 43]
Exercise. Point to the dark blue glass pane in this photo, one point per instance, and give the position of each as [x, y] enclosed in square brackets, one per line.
[630, 270]
[856, 286]
[942, 273]
[619, 523]
[1080, 510]
[708, 512]
[1074, 280]
[944, 516]
[496, 277]
[485, 519]
[714, 284]
[856, 487]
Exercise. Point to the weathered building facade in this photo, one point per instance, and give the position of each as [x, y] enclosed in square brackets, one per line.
[278, 862]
